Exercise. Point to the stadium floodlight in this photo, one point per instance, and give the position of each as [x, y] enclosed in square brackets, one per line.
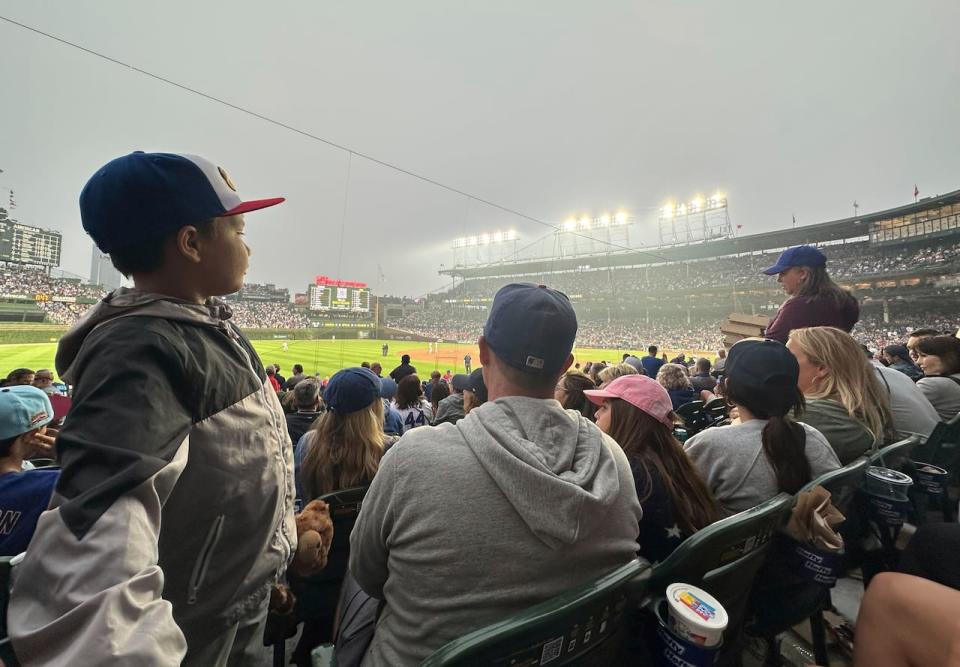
[621, 218]
[484, 239]
[584, 223]
[510, 235]
[696, 204]
[471, 240]
[605, 220]
[681, 209]
[498, 237]
[570, 225]
[667, 211]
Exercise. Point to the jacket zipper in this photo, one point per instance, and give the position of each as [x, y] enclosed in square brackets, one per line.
[278, 527]
[200, 567]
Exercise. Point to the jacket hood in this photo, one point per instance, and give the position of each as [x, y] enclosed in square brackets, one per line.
[551, 464]
[124, 302]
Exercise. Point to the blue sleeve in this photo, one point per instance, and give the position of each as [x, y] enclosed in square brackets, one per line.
[299, 453]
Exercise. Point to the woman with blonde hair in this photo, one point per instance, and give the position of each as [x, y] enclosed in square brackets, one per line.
[342, 450]
[611, 373]
[844, 398]
[345, 444]
[674, 378]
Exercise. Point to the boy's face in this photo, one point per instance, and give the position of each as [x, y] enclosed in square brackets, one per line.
[225, 256]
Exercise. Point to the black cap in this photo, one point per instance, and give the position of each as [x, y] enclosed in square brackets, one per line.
[476, 384]
[531, 327]
[761, 364]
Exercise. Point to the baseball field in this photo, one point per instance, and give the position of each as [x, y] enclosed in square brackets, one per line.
[323, 357]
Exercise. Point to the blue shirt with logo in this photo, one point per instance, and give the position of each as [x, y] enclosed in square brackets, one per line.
[23, 496]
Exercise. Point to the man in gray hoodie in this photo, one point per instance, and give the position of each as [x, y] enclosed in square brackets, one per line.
[518, 502]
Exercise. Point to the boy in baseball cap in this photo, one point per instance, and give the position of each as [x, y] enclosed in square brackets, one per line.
[175, 454]
[25, 412]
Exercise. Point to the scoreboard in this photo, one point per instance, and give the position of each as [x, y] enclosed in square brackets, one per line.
[23, 244]
[339, 296]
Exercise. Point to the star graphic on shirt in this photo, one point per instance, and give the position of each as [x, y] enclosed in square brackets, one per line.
[673, 532]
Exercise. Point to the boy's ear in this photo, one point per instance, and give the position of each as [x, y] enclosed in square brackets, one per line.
[187, 242]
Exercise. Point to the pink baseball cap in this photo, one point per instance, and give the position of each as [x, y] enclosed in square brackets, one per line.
[641, 392]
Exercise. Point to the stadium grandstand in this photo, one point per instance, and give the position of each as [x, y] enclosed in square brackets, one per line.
[903, 264]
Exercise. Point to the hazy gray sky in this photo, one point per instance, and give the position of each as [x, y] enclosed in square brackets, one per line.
[552, 108]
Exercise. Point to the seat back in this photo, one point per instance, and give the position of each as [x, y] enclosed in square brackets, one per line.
[724, 558]
[584, 626]
[6, 649]
[317, 595]
[893, 456]
[842, 483]
[942, 447]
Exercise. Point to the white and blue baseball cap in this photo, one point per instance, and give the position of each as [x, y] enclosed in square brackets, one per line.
[23, 408]
[144, 196]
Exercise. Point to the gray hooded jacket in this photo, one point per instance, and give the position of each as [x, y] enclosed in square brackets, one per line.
[464, 525]
[173, 514]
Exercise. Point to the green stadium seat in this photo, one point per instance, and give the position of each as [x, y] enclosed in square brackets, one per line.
[584, 626]
[786, 597]
[724, 559]
[942, 449]
[317, 596]
[6, 649]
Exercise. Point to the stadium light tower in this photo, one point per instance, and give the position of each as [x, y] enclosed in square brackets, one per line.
[699, 219]
[484, 248]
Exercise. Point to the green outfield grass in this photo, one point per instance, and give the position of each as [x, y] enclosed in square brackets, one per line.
[320, 356]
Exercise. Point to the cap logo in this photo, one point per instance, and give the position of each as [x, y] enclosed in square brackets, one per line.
[226, 178]
[535, 362]
[37, 418]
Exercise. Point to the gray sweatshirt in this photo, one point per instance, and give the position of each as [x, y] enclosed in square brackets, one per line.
[466, 524]
[736, 470]
[943, 393]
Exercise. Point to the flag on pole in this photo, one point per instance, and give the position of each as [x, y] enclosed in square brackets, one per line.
[794, 220]
[916, 191]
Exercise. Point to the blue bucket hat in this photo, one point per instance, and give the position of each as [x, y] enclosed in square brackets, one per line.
[144, 196]
[351, 389]
[531, 327]
[801, 255]
[22, 409]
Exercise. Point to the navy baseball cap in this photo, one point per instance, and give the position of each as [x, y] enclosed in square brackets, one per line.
[761, 364]
[143, 196]
[460, 381]
[351, 389]
[388, 388]
[531, 327]
[801, 255]
[476, 384]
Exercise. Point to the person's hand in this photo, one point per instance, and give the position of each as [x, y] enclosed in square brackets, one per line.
[707, 395]
[44, 443]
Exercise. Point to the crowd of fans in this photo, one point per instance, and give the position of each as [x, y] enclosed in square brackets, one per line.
[19, 281]
[846, 261]
[187, 527]
[268, 315]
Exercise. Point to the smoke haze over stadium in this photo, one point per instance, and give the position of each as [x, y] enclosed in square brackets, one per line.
[553, 109]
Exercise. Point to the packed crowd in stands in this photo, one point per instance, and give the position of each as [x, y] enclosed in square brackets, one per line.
[268, 315]
[21, 281]
[846, 261]
[189, 527]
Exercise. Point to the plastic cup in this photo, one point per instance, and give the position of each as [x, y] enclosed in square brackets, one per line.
[695, 615]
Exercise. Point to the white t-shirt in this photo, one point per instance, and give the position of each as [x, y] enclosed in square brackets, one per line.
[419, 415]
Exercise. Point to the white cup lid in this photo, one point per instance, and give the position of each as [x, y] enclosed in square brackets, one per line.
[696, 607]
